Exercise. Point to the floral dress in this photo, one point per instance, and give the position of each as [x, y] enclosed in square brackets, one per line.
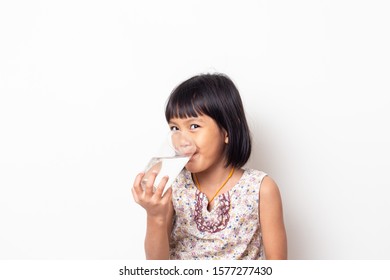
[229, 231]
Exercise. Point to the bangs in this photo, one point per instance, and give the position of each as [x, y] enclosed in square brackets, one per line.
[185, 105]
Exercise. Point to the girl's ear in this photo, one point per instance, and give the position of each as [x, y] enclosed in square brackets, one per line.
[225, 135]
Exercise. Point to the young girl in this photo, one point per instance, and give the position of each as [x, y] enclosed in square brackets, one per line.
[215, 209]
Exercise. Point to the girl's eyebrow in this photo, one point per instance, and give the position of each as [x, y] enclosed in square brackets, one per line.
[188, 120]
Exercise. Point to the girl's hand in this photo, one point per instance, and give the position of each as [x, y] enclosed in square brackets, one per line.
[155, 204]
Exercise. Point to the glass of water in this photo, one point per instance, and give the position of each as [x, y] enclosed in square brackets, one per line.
[174, 154]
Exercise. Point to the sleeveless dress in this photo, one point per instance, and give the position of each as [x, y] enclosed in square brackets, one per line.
[230, 231]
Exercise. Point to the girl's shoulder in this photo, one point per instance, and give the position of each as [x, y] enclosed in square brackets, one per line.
[267, 185]
[264, 185]
[253, 174]
[259, 179]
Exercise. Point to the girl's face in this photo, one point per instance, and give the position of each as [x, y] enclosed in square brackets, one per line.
[209, 139]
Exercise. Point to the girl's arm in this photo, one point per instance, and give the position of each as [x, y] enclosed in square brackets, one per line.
[271, 221]
[159, 211]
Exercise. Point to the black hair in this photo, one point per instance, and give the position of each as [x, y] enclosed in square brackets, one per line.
[216, 96]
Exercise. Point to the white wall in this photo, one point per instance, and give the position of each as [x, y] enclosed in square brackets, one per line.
[83, 86]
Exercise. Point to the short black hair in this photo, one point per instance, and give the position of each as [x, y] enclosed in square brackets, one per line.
[216, 96]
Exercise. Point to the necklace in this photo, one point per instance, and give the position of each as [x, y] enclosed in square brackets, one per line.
[220, 188]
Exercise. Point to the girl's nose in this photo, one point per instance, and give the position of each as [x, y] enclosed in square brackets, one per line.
[183, 143]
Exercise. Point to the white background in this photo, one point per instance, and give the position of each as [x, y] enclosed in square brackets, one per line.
[83, 86]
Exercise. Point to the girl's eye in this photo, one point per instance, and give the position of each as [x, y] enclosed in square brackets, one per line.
[193, 126]
[174, 128]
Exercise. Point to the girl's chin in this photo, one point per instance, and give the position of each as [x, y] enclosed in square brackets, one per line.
[191, 167]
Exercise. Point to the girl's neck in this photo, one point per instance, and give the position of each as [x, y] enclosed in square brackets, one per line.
[213, 176]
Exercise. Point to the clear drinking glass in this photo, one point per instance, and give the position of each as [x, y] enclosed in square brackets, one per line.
[174, 154]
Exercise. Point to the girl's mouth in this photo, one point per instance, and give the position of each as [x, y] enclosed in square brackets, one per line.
[193, 156]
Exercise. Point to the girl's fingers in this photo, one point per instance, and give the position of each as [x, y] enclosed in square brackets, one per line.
[143, 192]
[137, 184]
[135, 195]
[149, 186]
[161, 186]
[167, 195]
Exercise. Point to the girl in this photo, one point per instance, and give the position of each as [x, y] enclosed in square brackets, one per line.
[215, 209]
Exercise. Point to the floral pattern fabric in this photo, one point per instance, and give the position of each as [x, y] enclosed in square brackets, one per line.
[230, 230]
